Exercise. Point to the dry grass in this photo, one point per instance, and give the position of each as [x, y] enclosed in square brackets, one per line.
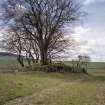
[38, 88]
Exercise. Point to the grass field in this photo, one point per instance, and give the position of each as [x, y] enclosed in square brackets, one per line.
[39, 88]
[8, 62]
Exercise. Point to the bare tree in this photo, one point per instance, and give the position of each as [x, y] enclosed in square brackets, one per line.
[83, 61]
[31, 50]
[16, 42]
[13, 43]
[42, 21]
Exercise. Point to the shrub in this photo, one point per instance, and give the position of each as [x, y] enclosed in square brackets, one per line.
[57, 67]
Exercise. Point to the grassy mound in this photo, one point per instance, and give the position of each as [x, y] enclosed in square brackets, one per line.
[57, 67]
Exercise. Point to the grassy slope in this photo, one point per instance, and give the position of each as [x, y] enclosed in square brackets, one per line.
[62, 89]
[53, 88]
[91, 65]
[94, 67]
[7, 62]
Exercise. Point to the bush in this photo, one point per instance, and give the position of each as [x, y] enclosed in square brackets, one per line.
[57, 67]
[76, 69]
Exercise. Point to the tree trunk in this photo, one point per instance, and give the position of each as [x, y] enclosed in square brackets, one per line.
[20, 60]
[29, 62]
[32, 58]
[37, 57]
[43, 54]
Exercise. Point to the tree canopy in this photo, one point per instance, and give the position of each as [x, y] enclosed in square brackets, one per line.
[35, 26]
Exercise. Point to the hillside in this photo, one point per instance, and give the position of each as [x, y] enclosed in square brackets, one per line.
[3, 54]
[38, 88]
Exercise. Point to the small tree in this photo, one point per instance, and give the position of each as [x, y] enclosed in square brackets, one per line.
[13, 43]
[83, 61]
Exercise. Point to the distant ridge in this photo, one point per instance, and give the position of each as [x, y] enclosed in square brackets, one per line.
[7, 54]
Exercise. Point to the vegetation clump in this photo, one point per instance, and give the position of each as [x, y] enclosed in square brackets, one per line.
[56, 67]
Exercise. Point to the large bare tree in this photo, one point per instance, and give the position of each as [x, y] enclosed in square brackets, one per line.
[41, 22]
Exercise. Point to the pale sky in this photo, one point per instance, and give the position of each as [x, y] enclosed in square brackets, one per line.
[91, 31]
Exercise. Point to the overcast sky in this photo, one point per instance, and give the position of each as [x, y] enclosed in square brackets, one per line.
[91, 31]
